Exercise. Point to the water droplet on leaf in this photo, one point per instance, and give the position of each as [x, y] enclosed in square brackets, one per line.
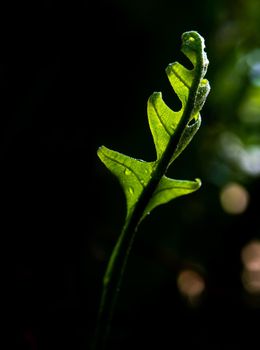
[127, 171]
[131, 190]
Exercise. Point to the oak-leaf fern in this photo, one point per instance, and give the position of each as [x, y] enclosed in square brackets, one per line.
[144, 183]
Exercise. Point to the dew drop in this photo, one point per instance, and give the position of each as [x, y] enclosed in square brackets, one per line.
[131, 190]
[127, 171]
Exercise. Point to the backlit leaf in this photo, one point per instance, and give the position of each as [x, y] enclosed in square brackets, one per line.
[171, 130]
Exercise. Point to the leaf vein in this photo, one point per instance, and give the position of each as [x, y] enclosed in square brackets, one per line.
[160, 119]
[180, 78]
[127, 167]
[171, 188]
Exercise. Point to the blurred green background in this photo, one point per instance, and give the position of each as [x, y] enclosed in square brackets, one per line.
[76, 76]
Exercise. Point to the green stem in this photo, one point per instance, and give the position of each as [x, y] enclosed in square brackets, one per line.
[116, 266]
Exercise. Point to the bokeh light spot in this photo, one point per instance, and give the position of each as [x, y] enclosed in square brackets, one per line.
[190, 283]
[250, 257]
[234, 198]
[251, 281]
[253, 61]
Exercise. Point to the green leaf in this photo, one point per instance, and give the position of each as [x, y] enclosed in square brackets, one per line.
[162, 121]
[169, 189]
[133, 174]
[144, 183]
[163, 124]
[172, 131]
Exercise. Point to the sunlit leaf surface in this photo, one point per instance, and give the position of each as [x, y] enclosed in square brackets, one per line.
[192, 89]
[144, 183]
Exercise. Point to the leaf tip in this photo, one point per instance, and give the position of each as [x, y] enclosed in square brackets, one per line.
[99, 150]
[155, 95]
[102, 152]
[198, 183]
[153, 98]
[170, 67]
[192, 39]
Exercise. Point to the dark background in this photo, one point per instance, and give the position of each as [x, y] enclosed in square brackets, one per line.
[76, 76]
